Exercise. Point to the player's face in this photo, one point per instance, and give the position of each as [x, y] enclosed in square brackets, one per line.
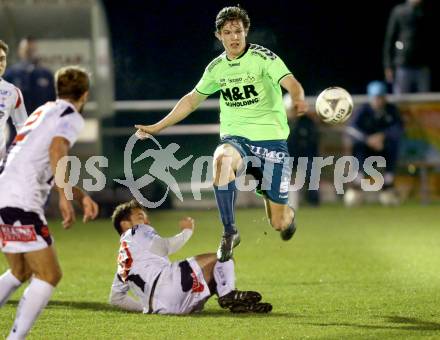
[2, 62]
[138, 216]
[233, 37]
[378, 102]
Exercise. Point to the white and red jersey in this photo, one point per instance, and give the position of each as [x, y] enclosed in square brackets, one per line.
[143, 255]
[11, 105]
[26, 177]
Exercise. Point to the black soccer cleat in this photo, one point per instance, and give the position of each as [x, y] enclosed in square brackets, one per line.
[239, 297]
[287, 233]
[227, 243]
[259, 307]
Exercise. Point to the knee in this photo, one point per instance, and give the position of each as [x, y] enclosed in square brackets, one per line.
[55, 277]
[224, 168]
[52, 277]
[281, 222]
[220, 161]
[22, 274]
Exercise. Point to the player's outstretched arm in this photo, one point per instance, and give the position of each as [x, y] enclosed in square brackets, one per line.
[296, 91]
[166, 246]
[119, 297]
[89, 206]
[58, 149]
[183, 108]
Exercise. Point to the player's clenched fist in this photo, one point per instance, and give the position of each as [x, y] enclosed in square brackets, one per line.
[187, 223]
[300, 107]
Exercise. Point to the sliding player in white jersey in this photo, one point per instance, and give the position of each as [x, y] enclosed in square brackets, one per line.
[165, 287]
[11, 102]
[26, 178]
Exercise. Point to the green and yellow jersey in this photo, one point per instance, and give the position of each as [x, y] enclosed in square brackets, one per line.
[251, 104]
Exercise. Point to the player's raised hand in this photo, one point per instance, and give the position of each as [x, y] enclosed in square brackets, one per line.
[145, 131]
[376, 141]
[67, 212]
[300, 107]
[90, 209]
[187, 223]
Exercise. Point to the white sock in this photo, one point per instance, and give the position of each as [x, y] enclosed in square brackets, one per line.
[34, 299]
[358, 180]
[8, 285]
[388, 178]
[224, 276]
[293, 199]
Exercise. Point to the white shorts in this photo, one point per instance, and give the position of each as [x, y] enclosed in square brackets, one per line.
[23, 231]
[181, 289]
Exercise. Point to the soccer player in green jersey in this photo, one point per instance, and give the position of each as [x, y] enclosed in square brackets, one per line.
[253, 124]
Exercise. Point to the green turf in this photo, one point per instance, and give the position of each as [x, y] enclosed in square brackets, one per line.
[363, 273]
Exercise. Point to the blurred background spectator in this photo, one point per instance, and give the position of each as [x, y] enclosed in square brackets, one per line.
[376, 129]
[149, 65]
[303, 141]
[35, 81]
[408, 48]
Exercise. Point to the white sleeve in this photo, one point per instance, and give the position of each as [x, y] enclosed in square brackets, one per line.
[19, 115]
[119, 297]
[69, 127]
[167, 246]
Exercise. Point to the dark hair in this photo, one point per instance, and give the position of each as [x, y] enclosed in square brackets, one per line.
[231, 14]
[4, 46]
[122, 213]
[71, 82]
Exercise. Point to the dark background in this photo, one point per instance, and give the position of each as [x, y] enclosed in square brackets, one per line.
[162, 47]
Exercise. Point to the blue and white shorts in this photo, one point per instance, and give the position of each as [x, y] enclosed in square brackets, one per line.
[268, 162]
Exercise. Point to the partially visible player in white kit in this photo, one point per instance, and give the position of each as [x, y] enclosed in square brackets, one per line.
[11, 102]
[165, 287]
[26, 178]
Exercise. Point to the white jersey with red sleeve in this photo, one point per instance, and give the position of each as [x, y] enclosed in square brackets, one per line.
[143, 255]
[26, 177]
[11, 105]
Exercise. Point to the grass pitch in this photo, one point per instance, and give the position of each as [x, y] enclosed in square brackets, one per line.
[363, 273]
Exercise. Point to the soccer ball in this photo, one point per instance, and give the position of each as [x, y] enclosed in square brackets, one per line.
[334, 105]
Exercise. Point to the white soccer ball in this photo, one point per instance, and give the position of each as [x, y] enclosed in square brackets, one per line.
[334, 105]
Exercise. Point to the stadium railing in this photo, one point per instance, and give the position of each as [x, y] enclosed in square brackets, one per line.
[421, 111]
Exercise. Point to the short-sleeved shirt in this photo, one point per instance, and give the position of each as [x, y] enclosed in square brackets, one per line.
[26, 177]
[142, 260]
[251, 103]
[11, 105]
[135, 254]
[138, 264]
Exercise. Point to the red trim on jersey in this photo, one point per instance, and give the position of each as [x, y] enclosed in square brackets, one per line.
[125, 261]
[33, 118]
[18, 103]
[19, 137]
